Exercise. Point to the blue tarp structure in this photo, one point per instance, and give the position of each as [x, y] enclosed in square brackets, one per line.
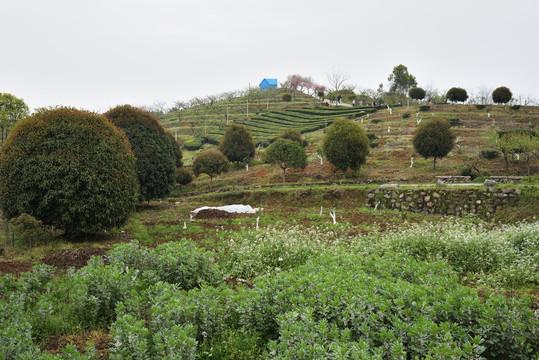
[267, 84]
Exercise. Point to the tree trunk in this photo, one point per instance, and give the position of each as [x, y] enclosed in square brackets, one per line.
[434, 163]
[284, 173]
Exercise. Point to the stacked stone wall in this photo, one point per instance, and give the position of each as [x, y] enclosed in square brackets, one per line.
[481, 201]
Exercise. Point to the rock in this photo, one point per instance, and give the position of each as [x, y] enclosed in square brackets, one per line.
[440, 183]
[385, 186]
[490, 183]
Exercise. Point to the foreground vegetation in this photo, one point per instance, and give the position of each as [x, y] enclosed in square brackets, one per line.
[306, 291]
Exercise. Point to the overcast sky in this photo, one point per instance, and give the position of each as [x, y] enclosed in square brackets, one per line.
[96, 54]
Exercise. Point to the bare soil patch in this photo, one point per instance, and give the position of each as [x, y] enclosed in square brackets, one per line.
[15, 267]
[76, 258]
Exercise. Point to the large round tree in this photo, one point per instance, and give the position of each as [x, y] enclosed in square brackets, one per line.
[237, 143]
[456, 94]
[434, 139]
[345, 145]
[502, 95]
[70, 169]
[153, 148]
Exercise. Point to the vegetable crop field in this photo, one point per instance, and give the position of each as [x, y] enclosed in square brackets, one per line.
[285, 283]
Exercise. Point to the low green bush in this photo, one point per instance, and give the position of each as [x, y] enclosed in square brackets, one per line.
[376, 121]
[287, 97]
[468, 171]
[192, 144]
[29, 231]
[372, 136]
[480, 106]
[515, 107]
[424, 108]
[183, 176]
[406, 115]
[489, 154]
[454, 121]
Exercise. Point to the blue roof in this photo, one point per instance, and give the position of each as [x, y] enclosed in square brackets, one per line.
[268, 83]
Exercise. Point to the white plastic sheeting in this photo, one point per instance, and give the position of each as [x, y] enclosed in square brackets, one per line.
[241, 209]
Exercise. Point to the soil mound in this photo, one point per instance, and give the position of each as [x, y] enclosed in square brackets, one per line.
[76, 258]
[214, 214]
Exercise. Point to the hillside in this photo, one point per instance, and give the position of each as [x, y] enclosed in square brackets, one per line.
[391, 152]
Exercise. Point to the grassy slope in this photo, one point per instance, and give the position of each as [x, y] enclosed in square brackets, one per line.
[391, 159]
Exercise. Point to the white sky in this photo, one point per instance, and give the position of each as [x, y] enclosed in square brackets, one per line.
[96, 54]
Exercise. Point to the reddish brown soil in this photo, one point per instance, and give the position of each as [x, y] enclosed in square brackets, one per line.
[218, 214]
[76, 258]
[15, 267]
[101, 341]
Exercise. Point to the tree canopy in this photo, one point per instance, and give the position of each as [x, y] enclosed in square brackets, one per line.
[153, 147]
[502, 95]
[286, 154]
[237, 143]
[70, 169]
[457, 94]
[211, 163]
[292, 135]
[12, 109]
[417, 93]
[345, 145]
[401, 80]
[434, 139]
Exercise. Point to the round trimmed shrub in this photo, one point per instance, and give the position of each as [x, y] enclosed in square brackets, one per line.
[345, 145]
[292, 135]
[151, 144]
[211, 163]
[237, 143]
[417, 93]
[406, 115]
[456, 94]
[287, 97]
[183, 176]
[71, 169]
[434, 139]
[502, 95]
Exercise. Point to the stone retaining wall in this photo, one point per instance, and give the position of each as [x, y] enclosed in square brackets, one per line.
[481, 201]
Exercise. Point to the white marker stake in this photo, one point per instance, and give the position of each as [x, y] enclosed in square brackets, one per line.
[333, 216]
[412, 162]
[488, 115]
[376, 206]
[321, 160]
[190, 217]
[388, 128]
[258, 218]
[246, 167]
[184, 225]
[320, 210]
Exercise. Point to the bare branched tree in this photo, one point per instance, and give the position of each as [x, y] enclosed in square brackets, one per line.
[337, 79]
